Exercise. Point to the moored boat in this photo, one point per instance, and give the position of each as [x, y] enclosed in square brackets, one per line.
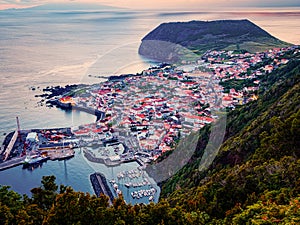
[33, 159]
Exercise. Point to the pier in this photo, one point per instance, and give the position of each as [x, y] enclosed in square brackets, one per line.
[46, 144]
[10, 145]
[99, 114]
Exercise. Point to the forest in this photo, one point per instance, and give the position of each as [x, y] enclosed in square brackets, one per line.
[255, 178]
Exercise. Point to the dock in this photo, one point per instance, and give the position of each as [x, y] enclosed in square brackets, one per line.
[12, 163]
[59, 154]
[99, 114]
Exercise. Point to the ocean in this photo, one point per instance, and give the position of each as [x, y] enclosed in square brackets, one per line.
[40, 48]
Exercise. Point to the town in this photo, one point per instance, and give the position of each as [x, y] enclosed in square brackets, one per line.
[140, 117]
[144, 116]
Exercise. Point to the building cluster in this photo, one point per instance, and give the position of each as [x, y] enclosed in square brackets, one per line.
[153, 110]
[245, 68]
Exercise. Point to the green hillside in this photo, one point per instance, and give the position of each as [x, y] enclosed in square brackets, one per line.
[255, 178]
[259, 161]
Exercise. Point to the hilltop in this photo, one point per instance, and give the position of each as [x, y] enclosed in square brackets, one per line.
[200, 36]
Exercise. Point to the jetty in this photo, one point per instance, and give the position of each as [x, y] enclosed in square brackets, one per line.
[60, 154]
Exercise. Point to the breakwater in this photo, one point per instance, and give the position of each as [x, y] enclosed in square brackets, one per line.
[91, 158]
[100, 185]
[108, 162]
[68, 106]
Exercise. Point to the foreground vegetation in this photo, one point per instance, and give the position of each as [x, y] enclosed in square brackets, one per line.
[255, 178]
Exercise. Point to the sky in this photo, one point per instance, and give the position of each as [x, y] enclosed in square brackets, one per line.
[165, 4]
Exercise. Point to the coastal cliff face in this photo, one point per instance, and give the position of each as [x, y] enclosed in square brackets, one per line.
[172, 41]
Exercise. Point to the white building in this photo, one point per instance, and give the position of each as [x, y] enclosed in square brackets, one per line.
[32, 137]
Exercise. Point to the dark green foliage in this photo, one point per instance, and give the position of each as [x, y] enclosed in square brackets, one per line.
[44, 196]
[10, 204]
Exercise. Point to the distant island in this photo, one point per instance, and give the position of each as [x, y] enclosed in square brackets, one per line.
[70, 7]
[163, 43]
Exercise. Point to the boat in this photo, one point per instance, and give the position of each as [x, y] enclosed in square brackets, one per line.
[113, 181]
[119, 192]
[140, 194]
[33, 159]
[115, 186]
[132, 195]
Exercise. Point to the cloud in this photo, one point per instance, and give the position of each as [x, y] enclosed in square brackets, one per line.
[204, 3]
[168, 4]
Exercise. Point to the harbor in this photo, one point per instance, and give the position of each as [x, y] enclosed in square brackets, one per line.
[35, 146]
[140, 182]
[122, 133]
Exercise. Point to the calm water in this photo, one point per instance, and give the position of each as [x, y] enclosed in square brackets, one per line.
[46, 48]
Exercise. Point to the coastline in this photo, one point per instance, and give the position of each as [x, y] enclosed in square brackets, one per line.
[153, 125]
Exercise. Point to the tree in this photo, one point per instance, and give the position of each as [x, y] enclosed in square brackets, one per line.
[6, 216]
[44, 196]
[10, 204]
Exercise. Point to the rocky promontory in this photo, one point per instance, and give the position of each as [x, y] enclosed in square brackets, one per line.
[170, 42]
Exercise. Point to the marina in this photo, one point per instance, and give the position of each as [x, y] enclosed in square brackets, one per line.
[136, 185]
